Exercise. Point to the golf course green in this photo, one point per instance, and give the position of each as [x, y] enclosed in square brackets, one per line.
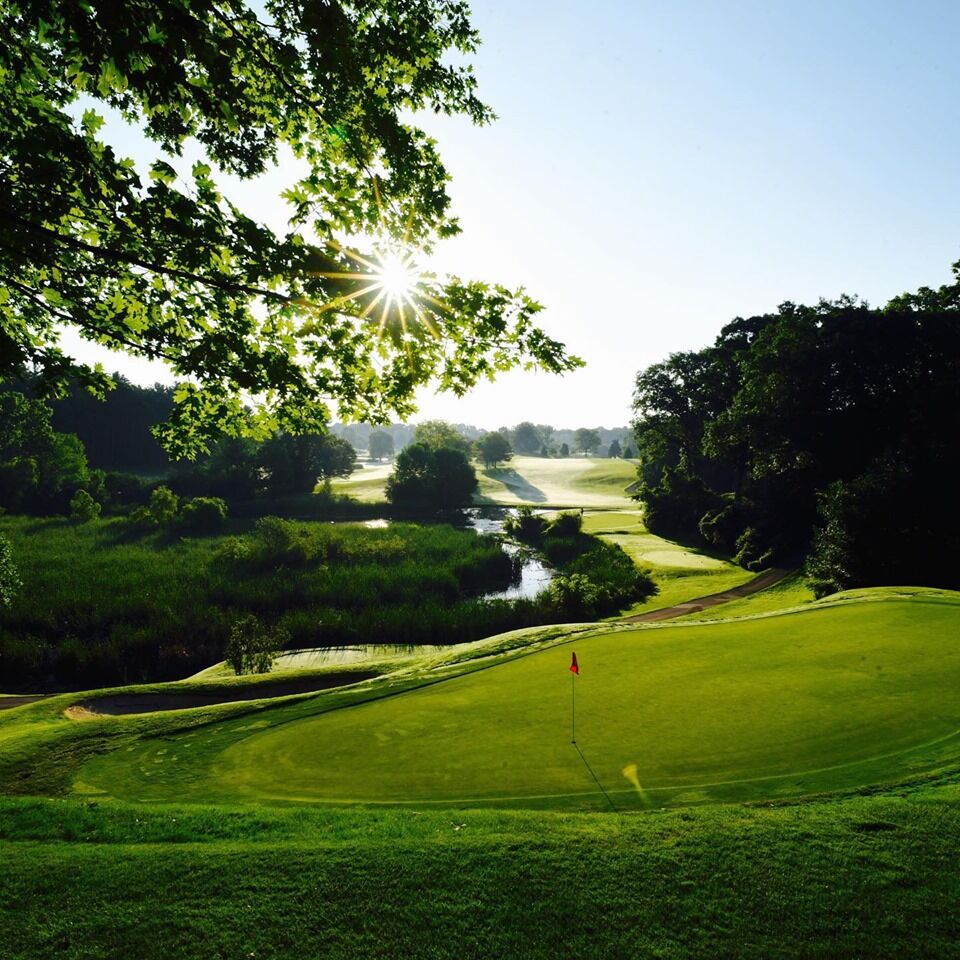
[834, 696]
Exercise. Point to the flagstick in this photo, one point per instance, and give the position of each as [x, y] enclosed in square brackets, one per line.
[573, 707]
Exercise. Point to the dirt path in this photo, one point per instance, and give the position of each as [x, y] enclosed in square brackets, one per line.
[766, 579]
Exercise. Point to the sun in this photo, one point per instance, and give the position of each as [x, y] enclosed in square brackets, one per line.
[396, 274]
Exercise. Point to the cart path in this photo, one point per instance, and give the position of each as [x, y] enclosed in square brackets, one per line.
[766, 579]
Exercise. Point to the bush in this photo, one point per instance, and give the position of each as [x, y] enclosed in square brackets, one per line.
[526, 526]
[203, 515]
[252, 648]
[83, 508]
[566, 525]
[10, 582]
[161, 510]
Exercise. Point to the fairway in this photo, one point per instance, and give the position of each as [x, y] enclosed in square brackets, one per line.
[537, 481]
[834, 697]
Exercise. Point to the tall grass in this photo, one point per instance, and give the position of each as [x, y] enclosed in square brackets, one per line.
[101, 606]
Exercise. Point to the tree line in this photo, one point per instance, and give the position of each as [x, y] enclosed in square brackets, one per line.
[823, 434]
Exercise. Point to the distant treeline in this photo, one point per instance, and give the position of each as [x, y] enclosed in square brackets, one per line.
[828, 434]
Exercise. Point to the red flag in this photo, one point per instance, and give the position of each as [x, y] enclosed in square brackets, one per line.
[574, 666]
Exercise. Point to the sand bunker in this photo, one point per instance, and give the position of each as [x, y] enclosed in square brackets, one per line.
[121, 703]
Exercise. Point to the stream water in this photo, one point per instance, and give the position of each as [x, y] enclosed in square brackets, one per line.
[535, 576]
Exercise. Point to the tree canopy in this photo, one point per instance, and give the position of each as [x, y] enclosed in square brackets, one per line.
[438, 433]
[266, 330]
[493, 448]
[827, 432]
[431, 479]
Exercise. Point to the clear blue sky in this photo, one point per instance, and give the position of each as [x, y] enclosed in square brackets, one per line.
[661, 167]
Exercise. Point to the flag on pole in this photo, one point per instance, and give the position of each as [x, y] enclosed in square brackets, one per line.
[574, 666]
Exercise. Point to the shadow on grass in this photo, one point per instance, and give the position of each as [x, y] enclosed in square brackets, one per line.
[517, 485]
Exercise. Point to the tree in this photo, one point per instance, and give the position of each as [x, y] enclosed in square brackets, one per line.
[493, 448]
[263, 328]
[628, 453]
[380, 444]
[614, 451]
[252, 648]
[526, 438]
[40, 469]
[587, 441]
[429, 480]
[564, 450]
[296, 464]
[439, 433]
[83, 508]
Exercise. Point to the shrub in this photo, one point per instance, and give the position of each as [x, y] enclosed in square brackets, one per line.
[203, 515]
[10, 582]
[161, 510]
[83, 508]
[576, 595]
[527, 526]
[566, 525]
[252, 648]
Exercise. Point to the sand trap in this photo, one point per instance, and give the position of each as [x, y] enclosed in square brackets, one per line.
[121, 703]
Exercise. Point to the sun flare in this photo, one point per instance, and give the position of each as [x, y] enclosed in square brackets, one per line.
[397, 275]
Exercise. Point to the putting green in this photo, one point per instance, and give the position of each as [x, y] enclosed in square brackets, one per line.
[833, 697]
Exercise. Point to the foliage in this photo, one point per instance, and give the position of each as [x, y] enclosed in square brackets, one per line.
[102, 608]
[262, 327]
[252, 648]
[587, 441]
[203, 515]
[887, 526]
[380, 445]
[526, 526]
[438, 433]
[628, 453]
[40, 469]
[564, 450]
[83, 508]
[493, 448]
[297, 464]
[10, 582]
[160, 511]
[566, 525]
[428, 480]
[614, 450]
[526, 438]
[795, 412]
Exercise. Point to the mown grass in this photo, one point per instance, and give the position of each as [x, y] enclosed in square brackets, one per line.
[863, 877]
[681, 573]
[829, 698]
[537, 481]
[870, 871]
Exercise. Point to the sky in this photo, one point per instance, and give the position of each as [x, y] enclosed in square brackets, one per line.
[659, 168]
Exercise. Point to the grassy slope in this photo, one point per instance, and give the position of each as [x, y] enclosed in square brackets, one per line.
[855, 876]
[681, 573]
[833, 697]
[864, 877]
[568, 482]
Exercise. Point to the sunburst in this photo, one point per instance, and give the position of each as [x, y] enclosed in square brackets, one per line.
[391, 287]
